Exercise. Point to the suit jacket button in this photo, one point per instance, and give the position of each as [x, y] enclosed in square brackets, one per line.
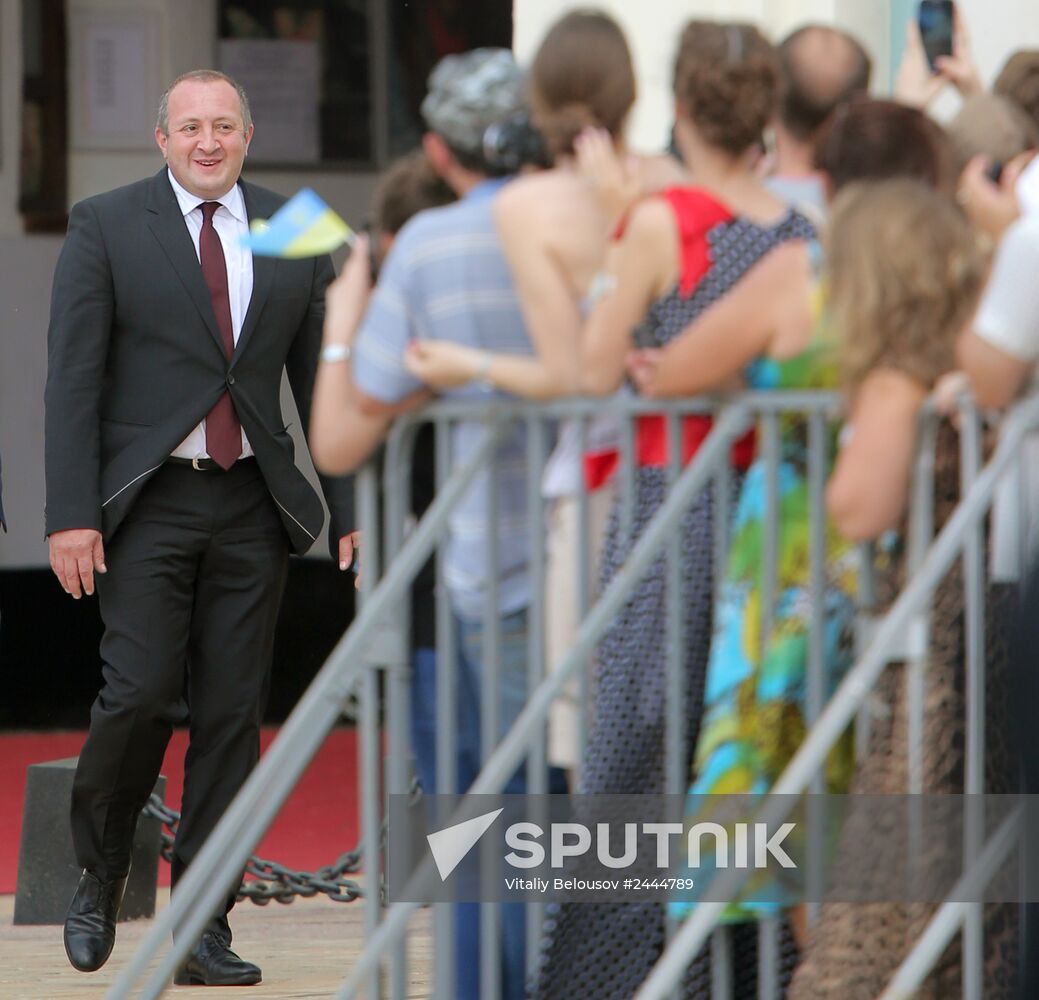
[230, 379]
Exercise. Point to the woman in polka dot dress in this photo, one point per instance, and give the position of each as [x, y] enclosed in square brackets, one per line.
[728, 256]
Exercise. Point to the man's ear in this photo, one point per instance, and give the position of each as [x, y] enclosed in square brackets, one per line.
[161, 140]
[438, 154]
[248, 138]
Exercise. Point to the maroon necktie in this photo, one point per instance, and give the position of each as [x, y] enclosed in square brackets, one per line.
[223, 430]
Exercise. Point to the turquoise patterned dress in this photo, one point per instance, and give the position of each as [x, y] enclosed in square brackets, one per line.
[755, 698]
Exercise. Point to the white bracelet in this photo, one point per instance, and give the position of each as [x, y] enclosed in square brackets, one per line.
[603, 284]
[332, 353]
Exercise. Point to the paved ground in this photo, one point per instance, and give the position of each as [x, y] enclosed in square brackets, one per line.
[304, 949]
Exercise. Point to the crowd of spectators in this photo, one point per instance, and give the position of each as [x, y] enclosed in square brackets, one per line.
[801, 234]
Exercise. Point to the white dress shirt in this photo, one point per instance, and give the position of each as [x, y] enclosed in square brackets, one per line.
[231, 225]
[1008, 319]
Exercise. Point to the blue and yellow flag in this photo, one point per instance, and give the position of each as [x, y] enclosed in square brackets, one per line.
[303, 227]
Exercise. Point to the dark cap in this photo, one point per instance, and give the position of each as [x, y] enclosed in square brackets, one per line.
[469, 92]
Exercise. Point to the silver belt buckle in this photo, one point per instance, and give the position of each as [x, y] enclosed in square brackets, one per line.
[195, 465]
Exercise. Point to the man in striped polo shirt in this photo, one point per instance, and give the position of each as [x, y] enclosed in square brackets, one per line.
[446, 278]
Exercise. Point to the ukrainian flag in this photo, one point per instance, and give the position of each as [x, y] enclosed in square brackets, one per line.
[303, 227]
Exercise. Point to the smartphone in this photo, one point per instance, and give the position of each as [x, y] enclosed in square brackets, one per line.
[935, 18]
[373, 251]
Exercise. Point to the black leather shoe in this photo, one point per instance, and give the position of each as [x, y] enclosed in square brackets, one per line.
[212, 963]
[90, 923]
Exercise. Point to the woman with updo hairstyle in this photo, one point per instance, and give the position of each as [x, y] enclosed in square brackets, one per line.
[555, 232]
[719, 241]
[727, 78]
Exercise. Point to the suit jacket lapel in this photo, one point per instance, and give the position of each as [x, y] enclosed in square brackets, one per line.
[263, 272]
[167, 223]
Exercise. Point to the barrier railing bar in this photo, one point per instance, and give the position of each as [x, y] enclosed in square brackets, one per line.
[721, 964]
[721, 514]
[368, 719]
[584, 596]
[490, 723]
[950, 915]
[446, 737]
[627, 494]
[768, 959]
[755, 400]
[974, 639]
[676, 776]
[815, 693]
[536, 757]
[1022, 552]
[921, 534]
[770, 453]
[397, 465]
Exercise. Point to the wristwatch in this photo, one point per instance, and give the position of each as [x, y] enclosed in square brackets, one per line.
[332, 353]
[483, 373]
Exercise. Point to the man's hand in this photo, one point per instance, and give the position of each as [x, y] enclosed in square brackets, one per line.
[644, 366]
[347, 545]
[346, 298]
[75, 554]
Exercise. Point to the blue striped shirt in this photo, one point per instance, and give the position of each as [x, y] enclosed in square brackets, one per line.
[446, 279]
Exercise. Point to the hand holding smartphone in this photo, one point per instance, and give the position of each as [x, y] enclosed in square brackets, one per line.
[937, 22]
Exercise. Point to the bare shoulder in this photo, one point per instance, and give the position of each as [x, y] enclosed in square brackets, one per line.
[554, 219]
[541, 195]
[649, 219]
[661, 171]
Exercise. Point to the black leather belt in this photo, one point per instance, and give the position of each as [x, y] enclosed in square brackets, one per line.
[204, 464]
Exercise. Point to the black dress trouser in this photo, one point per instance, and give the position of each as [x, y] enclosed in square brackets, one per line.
[195, 577]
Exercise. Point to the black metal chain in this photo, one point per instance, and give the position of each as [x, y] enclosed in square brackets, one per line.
[270, 879]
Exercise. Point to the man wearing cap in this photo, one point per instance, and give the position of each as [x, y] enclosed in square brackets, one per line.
[446, 278]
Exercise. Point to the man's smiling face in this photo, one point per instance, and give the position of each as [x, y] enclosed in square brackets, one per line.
[206, 139]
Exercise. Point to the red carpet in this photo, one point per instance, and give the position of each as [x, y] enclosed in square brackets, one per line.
[317, 824]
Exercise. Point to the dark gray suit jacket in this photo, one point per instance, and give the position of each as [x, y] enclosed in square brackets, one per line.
[135, 360]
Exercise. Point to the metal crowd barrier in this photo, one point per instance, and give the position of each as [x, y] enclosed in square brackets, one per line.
[962, 533]
[377, 642]
[709, 469]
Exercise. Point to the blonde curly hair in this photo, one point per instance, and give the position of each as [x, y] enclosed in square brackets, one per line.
[905, 272]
